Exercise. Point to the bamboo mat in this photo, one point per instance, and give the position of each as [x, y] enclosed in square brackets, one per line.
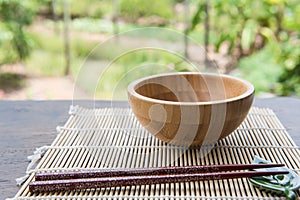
[112, 138]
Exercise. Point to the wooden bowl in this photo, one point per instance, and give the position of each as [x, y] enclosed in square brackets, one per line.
[190, 109]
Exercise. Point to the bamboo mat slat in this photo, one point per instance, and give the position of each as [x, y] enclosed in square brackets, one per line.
[112, 138]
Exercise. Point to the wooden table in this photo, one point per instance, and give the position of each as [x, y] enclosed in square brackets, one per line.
[25, 125]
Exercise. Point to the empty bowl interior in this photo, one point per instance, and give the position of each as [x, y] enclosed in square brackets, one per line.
[191, 87]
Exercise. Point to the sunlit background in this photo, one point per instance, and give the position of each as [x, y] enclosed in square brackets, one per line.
[45, 44]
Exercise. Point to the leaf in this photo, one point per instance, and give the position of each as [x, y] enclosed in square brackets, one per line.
[248, 34]
[197, 17]
[222, 38]
[275, 2]
[268, 34]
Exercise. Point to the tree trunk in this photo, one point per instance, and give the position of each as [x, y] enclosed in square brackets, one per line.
[67, 37]
[206, 30]
[115, 18]
[54, 16]
[186, 28]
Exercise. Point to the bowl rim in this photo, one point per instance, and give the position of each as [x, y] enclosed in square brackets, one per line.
[132, 86]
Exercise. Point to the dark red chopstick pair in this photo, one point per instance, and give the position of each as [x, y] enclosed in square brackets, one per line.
[79, 180]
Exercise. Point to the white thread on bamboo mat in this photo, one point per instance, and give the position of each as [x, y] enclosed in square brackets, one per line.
[73, 109]
[60, 128]
[168, 147]
[112, 113]
[37, 155]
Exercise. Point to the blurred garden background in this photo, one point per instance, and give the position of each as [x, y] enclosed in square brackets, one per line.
[44, 43]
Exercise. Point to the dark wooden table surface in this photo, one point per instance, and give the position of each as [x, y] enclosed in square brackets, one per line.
[25, 125]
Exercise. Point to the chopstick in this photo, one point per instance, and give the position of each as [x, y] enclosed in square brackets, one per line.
[92, 183]
[66, 181]
[149, 171]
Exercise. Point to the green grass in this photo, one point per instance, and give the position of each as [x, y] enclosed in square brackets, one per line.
[47, 41]
[45, 63]
[47, 58]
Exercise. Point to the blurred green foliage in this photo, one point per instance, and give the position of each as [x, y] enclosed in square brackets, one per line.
[247, 27]
[85, 8]
[14, 16]
[137, 64]
[289, 80]
[134, 9]
[262, 35]
[11, 81]
[261, 69]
